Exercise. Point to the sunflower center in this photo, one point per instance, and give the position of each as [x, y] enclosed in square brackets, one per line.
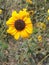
[19, 24]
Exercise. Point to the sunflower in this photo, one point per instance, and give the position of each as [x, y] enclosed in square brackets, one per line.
[39, 38]
[1, 11]
[48, 18]
[48, 11]
[29, 1]
[20, 24]
[41, 25]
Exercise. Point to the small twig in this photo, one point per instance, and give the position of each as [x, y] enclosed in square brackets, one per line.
[43, 59]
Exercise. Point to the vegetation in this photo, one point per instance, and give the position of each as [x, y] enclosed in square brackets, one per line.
[25, 51]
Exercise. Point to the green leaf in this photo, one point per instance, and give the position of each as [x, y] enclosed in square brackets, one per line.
[35, 30]
[4, 46]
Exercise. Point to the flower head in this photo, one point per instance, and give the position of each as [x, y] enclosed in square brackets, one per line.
[29, 1]
[20, 24]
[39, 38]
[41, 25]
[48, 11]
[48, 18]
[0, 11]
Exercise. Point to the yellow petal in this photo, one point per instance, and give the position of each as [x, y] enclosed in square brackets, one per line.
[10, 21]
[1, 11]
[39, 38]
[12, 31]
[28, 20]
[14, 13]
[24, 34]
[17, 35]
[25, 18]
[29, 1]
[47, 18]
[29, 28]
[23, 14]
[48, 11]
[24, 9]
